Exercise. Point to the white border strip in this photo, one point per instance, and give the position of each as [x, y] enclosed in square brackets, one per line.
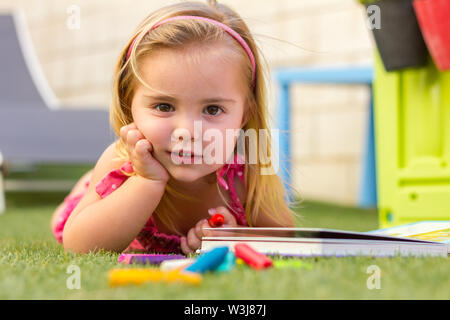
[32, 61]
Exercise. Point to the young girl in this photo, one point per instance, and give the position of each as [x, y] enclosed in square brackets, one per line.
[189, 65]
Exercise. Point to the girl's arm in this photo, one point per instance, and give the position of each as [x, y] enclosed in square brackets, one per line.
[78, 188]
[113, 222]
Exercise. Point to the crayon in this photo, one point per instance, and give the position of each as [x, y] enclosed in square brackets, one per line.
[228, 263]
[176, 264]
[154, 259]
[120, 277]
[216, 220]
[209, 260]
[251, 257]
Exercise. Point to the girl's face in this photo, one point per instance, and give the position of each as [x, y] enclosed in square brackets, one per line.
[204, 95]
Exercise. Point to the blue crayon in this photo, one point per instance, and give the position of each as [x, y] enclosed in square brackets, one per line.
[228, 263]
[209, 260]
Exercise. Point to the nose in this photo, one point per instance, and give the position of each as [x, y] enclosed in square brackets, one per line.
[187, 129]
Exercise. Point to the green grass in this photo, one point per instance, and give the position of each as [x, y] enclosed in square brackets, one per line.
[34, 266]
[49, 171]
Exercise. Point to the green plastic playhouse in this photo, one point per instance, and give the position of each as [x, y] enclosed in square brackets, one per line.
[412, 139]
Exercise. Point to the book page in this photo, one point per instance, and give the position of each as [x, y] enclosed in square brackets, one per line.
[427, 230]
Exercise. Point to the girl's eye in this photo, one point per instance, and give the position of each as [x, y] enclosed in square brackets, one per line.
[214, 109]
[211, 110]
[164, 107]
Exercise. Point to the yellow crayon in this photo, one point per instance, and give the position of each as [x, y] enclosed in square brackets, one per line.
[119, 277]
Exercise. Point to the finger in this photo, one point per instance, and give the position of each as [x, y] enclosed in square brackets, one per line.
[124, 130]
[229, 219]
[199, 228]
[192, 241]
[143, 147]
[123, 135]
[206, 233]
[133, 137]
[184, 247]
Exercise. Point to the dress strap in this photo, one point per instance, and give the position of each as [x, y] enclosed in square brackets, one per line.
[232, 169]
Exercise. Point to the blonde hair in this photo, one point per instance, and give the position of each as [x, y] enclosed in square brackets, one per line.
[266, 193]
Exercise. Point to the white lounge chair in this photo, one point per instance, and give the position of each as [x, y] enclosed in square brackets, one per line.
[33, 126]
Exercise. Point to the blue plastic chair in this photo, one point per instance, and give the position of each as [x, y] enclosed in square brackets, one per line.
[285, 77]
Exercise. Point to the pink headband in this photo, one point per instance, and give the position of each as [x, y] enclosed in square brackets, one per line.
[233, 33]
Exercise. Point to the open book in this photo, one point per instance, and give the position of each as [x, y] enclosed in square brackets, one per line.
[309, 242]
[437, 231]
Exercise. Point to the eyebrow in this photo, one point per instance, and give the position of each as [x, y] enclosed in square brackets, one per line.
[207, 100]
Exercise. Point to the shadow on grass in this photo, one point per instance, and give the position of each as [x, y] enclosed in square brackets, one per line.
[30, 199]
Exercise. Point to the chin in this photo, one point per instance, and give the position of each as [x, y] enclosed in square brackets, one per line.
[185, 174]
[190, 174]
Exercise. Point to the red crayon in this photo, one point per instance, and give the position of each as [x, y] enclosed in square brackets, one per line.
[216, 220]
[251, 257]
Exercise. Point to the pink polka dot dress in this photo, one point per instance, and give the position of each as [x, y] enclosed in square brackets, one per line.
[149, 238]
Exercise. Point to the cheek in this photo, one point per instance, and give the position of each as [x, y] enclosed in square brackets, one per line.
[154, 131]
[228, 142]
[158, 137]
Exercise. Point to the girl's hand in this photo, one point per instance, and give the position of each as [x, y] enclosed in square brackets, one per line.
[140, 154]
[193, 240]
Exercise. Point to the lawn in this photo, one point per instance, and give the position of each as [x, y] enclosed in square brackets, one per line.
[34, 266]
